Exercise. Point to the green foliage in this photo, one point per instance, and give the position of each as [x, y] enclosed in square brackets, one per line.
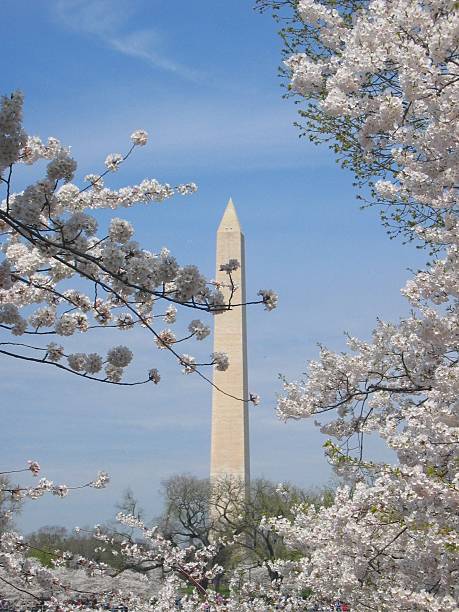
[47, 542]
[45, 557]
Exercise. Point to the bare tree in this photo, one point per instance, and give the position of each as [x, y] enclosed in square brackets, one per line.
[198, 512]
[9, 504]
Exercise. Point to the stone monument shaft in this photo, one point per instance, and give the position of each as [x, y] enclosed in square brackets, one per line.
[230, 425]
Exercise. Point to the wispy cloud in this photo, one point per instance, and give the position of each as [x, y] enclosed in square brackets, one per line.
[110, 21]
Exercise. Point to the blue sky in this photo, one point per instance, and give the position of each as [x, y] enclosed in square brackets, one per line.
[201, 77]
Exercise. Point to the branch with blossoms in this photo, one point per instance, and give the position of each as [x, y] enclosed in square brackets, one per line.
[191, 564]
[390, 376]
[48, 238]
[18, 571]
[47, 486]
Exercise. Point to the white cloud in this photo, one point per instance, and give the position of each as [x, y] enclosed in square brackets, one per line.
[109, 22]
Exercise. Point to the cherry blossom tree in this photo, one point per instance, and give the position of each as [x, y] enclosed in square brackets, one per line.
[379, 81]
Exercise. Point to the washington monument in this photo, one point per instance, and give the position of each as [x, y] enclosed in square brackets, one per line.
[230, 425]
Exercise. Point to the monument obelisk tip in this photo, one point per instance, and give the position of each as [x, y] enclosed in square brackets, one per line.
[229, 221]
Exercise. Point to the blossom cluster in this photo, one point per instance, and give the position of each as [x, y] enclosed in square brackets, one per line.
[380, 83]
